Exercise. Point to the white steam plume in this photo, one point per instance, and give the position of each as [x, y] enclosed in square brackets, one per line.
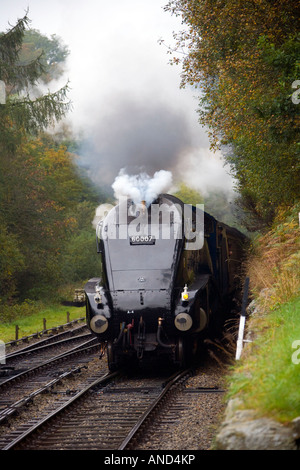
[142, 187]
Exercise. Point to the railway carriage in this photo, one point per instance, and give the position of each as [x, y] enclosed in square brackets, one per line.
[168, 271]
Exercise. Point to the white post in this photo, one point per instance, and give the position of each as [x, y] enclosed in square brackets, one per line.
[240, 340]
[239, 346]
[2, 92]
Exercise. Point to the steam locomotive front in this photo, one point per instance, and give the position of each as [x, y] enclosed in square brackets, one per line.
[141, 249]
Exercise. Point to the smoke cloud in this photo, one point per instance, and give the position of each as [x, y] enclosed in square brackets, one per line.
[136, 135]
[142, 187]
[128, 108]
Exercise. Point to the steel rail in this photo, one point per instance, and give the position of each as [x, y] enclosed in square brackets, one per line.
[39, 334]
[167, 386]
[75, 350]
[100, 381]
[38, 347]
[14, 407]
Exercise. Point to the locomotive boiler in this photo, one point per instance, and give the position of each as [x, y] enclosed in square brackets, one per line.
[168, 271]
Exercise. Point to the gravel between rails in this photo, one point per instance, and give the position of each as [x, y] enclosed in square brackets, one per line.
[198, 420]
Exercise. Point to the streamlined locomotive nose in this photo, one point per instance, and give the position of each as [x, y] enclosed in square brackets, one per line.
[151, 304]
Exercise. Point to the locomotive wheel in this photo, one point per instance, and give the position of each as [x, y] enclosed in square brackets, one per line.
[111, 357]
[180, 353]
[186, 350]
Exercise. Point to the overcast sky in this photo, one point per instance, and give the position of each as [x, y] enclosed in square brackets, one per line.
[126, 97]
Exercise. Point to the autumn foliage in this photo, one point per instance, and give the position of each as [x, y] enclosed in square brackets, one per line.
[244, 57]
[46, 204]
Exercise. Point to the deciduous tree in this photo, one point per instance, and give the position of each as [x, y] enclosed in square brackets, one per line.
[244, 57]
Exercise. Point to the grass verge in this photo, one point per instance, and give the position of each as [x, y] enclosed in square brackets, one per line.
[268, 376]
[32, 319]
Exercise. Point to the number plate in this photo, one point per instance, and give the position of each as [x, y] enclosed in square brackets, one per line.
[142, 240]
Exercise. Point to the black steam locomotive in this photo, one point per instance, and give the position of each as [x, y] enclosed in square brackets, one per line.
[168, 271]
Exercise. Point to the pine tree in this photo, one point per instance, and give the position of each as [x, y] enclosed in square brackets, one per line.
[19, 113]
[22, 195]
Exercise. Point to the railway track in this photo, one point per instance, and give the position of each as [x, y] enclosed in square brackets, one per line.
[56, 394]
[39, 348]
[19, 363]
[32, 371]
[110, 412]
[187, 421]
